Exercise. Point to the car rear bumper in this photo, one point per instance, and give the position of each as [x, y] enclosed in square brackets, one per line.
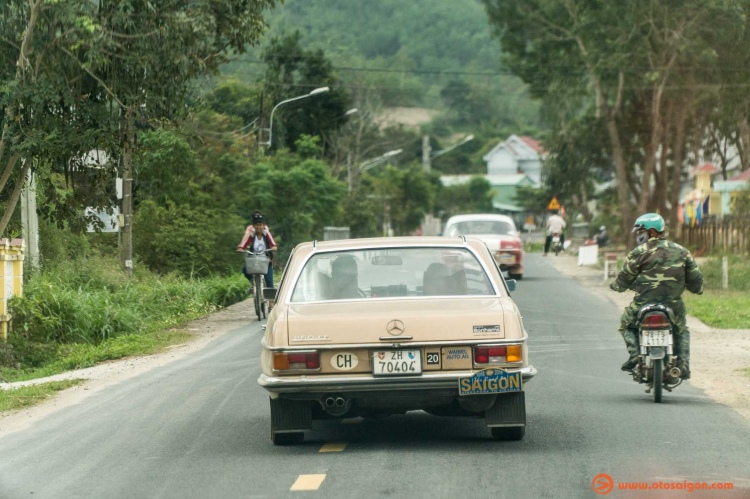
[358, 383]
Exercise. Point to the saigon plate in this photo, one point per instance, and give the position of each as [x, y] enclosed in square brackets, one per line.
[490, 381]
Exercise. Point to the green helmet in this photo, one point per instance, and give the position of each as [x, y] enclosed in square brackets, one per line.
[649, 221]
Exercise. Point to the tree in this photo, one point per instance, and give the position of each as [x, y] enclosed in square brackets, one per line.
[475, 196]
[292, 71]
[298, 196]
[631, 81]
[405, 195]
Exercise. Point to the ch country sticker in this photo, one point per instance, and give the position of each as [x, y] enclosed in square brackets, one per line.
[344, 361]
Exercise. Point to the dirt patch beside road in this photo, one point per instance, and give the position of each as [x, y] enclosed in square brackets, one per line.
[204, 330]
[718, 357]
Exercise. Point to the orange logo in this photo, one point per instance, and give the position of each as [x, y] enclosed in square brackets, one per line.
[602, 484]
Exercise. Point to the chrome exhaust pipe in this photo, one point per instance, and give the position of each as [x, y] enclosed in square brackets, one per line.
[675, 372]
[330, 402]
[340, 402]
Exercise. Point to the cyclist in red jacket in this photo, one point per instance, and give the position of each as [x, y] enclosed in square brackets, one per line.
[260, 239]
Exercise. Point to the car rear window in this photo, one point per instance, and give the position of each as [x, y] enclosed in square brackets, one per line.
[391, 273]
[480, 227]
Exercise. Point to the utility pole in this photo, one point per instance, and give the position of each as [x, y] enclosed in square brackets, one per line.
[426, 163]
[30, 220]
[260, 123]
[127, 196]
[349, 170]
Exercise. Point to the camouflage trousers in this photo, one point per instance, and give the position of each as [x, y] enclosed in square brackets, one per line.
[629, 329]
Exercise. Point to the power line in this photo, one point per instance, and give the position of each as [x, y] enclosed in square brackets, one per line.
[504, 72]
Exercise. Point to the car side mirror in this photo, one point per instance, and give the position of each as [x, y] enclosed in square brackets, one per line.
[511, 283]
[269, 293]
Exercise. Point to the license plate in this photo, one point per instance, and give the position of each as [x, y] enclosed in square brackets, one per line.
[396, 362]
[490, 381]
[555, 239]
[658, 338]
[506, 258]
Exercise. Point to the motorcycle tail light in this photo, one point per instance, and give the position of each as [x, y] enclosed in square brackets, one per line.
[297, 361]
[514, 353]
[656, 321]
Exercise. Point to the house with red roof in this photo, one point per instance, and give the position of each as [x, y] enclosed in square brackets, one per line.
[516, 155]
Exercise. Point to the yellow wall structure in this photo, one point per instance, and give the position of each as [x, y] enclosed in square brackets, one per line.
[11, 278]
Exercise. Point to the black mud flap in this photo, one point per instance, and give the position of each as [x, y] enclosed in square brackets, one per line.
[290, 415]
[509, 410]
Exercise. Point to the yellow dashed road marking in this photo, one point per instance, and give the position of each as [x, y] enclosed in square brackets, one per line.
[308, 482]
[333, 447]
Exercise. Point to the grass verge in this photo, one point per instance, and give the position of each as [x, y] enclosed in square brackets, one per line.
[81, 312]
[26, 396]
[537, 247]
[82, 355]
[720, 309]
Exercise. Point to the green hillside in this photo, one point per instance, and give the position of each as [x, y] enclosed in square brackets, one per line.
[431, 53]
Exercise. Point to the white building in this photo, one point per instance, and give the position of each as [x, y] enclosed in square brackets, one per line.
[516, 155]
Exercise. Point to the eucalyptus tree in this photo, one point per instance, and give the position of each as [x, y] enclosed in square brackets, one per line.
[108, 67]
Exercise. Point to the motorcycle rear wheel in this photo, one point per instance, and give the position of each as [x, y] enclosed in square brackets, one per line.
[656, 380]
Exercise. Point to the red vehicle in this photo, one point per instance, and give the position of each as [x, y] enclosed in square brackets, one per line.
[498, 232]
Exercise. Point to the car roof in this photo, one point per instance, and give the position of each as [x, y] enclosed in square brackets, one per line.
[480, 217]
[375, 242]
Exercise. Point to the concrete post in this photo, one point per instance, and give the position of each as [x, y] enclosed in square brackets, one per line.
[30, 220]
[426, 150]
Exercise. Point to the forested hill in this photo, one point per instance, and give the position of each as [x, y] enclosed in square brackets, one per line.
[435, 35]
[412, 51]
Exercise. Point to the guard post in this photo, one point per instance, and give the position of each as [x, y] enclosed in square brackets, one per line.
[11, 278]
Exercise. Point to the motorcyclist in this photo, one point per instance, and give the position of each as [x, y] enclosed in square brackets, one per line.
[555, 225]
[659, 271]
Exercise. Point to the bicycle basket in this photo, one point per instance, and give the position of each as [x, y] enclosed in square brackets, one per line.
[257, 264]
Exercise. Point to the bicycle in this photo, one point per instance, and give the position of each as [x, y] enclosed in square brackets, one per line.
[256, 264]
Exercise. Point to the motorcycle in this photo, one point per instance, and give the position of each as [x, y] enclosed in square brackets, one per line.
[556, 243]
[657, 364]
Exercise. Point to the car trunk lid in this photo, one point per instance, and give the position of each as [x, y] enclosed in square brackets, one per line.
[443, 319]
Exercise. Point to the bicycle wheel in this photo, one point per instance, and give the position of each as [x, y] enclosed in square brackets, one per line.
[256, 295]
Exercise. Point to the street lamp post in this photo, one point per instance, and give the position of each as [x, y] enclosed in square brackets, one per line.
[366, 165]
[317, 91]
[427, 157]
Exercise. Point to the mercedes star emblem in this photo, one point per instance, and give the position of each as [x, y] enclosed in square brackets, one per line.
[395, 327]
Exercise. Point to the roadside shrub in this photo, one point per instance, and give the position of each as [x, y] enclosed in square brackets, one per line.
[91, 301]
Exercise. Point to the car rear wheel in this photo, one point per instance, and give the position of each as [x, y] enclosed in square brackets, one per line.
[508, 433]
[292, 438]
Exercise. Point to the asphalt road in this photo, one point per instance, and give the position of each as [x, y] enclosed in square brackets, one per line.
[199, 428]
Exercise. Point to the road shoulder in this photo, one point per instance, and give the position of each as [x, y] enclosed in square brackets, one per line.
[204, 332]
[719, 357]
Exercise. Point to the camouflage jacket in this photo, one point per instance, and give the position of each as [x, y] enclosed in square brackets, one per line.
[659, 271]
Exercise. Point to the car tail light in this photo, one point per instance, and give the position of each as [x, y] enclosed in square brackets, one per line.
[296, 361]
[481, 355]
[514, 353]
[510, 244]
[490, 355]
[656, 321]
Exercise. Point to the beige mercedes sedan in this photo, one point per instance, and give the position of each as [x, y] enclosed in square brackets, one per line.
[374, 327]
